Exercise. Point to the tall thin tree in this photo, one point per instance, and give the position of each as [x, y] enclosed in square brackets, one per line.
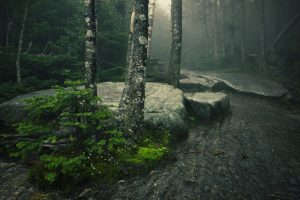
[243, 33]
[262, 34]
[18, 65]
[216, 25]
[133, 100]
[151, 23]
[90, 45]
[175, 57]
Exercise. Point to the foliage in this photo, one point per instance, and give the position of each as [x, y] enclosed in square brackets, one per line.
[74, 139]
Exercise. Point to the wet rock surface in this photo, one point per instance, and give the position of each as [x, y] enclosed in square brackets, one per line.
[164, 105]
[252, 154]
[241, 83]
[15, 185]
[207, 105]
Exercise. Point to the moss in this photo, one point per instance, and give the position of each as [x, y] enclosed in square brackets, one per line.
[152, 154]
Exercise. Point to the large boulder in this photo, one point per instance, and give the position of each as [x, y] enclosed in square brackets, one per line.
[164, 106]
[241, 83]
[206, 105]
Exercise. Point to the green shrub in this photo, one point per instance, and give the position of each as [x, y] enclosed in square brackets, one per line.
[74, 139]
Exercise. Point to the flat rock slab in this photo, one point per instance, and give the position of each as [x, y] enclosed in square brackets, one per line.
[242, 83]
[207, 105]
[164, 105]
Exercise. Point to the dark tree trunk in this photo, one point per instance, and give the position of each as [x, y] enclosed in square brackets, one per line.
[262, 34]
[3, 22]
[90, 45]
[132, 105]
[216, 23]
[151, 22]
[243, 33]
[206, 27]
[233, 29]
[175, 58]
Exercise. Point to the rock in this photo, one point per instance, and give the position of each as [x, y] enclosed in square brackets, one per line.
[164, 106]
[196, 83]
[207, 105]
[12, 111]
[241, 83]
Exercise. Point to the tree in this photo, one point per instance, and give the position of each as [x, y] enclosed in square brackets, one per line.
[243, 33]
[90, 45]
[175, 58]
[206, 26]
[150, 30]
[18, 66]
[216, 23]
[232, 28]
[132, 104]
[262, 34]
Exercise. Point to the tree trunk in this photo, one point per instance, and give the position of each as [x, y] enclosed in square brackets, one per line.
[233, 28]
[46, 47]
[28, 48]
[243, 33]
[18, 67]
[222, 32]
[216, 50]
[132, 105]
[175, 58]
[206, 28]
[3, 22]
[262, 34]
[10, 24]
[90, 45]
[283, 32]
[150, 29]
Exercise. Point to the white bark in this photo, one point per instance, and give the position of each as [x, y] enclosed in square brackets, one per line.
[18, 65]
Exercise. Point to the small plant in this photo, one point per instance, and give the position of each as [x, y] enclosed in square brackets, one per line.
[74, 138]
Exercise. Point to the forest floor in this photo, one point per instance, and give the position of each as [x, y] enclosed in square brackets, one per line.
[253, 153]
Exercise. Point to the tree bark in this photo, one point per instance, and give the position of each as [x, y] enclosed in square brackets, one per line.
[132, 105]
[206, 28]
[222, 32]
[243, 33]
[3, 22]
[262, 34]
[216, 48]
[150, 29]
[233, 28]
[18, 66]
[175, 58]
[90, 45]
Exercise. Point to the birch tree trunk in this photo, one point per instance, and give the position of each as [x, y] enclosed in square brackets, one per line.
[150, 29]
[262, 34]
[132, 105]
[90, 45]
[243, 33]
[175, 57]
[18, 66]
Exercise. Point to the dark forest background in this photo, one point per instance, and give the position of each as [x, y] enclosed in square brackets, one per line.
[53, 44]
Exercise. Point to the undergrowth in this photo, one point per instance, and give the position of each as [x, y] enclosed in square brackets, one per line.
[71, 138]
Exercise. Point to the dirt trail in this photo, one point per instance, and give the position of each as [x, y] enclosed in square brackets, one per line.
[252, 154]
